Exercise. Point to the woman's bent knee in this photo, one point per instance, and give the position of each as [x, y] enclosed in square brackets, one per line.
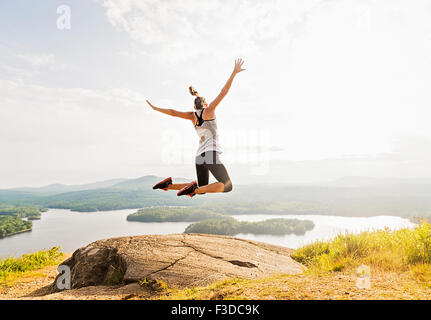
[228, 186]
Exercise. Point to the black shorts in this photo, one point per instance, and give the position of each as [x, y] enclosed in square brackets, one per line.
[210, 162]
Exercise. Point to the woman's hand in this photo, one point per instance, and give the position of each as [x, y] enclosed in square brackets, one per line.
[238, 66]
[153, 107]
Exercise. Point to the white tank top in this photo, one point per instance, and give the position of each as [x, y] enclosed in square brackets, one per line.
[208, 135]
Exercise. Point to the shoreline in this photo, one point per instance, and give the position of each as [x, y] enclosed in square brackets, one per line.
[15, 233]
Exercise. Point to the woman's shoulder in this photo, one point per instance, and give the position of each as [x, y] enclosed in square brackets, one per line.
[208, 115]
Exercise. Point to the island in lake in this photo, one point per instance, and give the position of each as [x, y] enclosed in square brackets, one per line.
[210, 222]
[230, 227]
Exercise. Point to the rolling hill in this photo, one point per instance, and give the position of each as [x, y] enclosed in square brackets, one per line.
[351, 196]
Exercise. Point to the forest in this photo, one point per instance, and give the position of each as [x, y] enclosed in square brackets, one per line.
[10, 225]
[16, 219]
[230, 227]
[172, 214]
[29, 212]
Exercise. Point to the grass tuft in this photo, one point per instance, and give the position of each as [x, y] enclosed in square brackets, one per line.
[384, 250]
[10, 268]
[153, 285]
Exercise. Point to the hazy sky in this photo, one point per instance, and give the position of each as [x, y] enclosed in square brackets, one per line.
[332, 88]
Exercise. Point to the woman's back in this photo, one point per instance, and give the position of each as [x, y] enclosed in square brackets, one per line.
[208, 134]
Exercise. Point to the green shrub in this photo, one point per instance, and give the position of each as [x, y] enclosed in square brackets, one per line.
[28, 262]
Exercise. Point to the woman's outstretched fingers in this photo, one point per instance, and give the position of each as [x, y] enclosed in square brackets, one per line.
[238, 65]
[150, 104]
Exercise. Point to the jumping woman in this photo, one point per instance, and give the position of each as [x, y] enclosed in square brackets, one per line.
[208, 154]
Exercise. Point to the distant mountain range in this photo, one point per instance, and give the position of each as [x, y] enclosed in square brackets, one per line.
[359, 196]
[52, 189]
[357, 181]
[62, 188]
[145, 181]
[104, 195]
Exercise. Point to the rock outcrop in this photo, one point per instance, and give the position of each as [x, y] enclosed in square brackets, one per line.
[180, 260]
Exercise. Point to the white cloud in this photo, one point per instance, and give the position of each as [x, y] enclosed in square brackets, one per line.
[20, 63]
[218, 28]
[38, 60]
[47, 129]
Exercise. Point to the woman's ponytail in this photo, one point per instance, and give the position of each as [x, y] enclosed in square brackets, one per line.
[193, 91]
[200, 102]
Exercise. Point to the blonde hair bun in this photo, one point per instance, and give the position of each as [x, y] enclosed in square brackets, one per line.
[193, 91]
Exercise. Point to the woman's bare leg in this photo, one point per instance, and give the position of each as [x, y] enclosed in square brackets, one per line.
[216, 187]
[177, 186]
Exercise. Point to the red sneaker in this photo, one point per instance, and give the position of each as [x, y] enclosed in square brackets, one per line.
[188, 190]
[163, 184]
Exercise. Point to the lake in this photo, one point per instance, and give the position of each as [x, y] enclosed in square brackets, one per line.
[72, 230]
[326, 227]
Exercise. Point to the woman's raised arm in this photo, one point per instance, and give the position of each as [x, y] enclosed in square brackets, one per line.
[237, 69]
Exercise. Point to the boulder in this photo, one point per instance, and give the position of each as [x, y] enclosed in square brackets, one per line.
[180, 260]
